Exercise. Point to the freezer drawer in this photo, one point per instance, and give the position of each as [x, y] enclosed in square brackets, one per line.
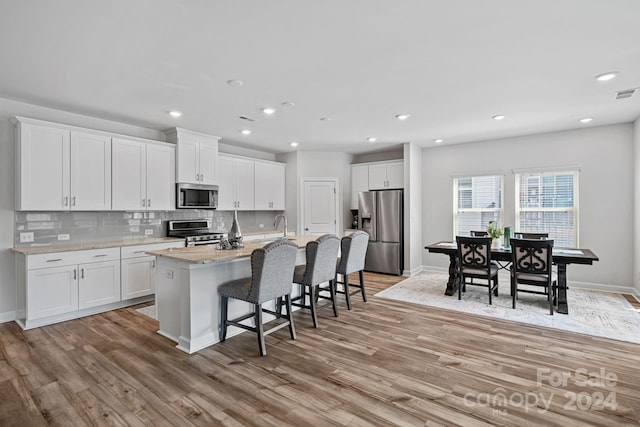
[384, 258]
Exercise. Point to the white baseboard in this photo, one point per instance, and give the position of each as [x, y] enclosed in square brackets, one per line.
[413, 271]
[8, 316]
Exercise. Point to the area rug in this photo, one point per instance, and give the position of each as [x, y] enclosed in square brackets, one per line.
[601, 314]
[149, 310]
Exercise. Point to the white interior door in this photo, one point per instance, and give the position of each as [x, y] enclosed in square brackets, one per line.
[319, 208]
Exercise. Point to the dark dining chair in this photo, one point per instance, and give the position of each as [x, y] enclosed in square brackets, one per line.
[532, 262]
[474, 257]
[271, 278]
[530, 236]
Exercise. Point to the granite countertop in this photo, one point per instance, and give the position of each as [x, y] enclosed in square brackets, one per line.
[33, 250]
[208, 253]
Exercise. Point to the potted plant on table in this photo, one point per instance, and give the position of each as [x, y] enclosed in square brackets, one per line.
[495, 233]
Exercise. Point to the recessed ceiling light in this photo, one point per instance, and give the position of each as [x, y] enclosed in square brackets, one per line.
[235, 83]
[175, 114]
[288, 104]
[325, 119]
[438, 141]
[498, 117]
[586, 120]
[293, 144]
[402, 116]
[245, 132]
[605, 77]
[268, 110]
[372, 139]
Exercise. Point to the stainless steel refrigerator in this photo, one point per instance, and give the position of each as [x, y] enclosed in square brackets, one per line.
[380, 215]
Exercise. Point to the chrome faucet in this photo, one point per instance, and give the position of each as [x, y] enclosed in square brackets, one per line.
[276, 223]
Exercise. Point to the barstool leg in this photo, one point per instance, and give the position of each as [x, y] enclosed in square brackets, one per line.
[260, 330]
[292, 329]
[312, 305]
[332, 291]
[223, 321]
[361, 276]
[346, 290]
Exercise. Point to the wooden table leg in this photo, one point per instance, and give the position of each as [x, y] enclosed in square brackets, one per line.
[563, 307]
[454, 278]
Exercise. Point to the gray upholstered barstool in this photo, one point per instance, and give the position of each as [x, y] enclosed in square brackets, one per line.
[322, 254]
[353, 251]
[271, 278]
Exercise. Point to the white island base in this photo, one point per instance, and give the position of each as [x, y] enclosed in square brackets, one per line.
[187, 301]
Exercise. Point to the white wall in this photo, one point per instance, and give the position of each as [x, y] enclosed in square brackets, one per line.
[636, 198]
[318, 164]
[413, 209]
[605, 158]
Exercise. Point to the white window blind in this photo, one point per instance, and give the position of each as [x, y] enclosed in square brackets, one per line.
[476, 201]
[547, 202]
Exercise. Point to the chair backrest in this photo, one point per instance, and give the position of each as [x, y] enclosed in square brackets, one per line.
[272, 269]
[474, 252]
[531, 256]
[322, 255]
[530, 236]
[478, 233]
[353, 251]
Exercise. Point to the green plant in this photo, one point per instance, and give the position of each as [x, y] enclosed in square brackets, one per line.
[493, 230]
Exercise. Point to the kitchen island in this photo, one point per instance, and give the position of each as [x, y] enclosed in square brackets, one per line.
[187, 302]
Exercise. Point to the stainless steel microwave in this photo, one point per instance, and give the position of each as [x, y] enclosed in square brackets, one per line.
[196, 196]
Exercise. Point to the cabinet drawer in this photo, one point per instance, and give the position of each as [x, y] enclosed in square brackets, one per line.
[56, 259]
[140, 250]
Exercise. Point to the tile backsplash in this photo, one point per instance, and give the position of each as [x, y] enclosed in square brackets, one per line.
[51, 228]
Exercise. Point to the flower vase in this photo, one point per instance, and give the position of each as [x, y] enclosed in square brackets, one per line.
[235, 235]
[496, 244]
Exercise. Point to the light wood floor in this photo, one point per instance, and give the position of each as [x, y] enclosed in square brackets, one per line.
[383, 363]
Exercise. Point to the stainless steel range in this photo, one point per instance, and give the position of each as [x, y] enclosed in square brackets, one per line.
[195, 232]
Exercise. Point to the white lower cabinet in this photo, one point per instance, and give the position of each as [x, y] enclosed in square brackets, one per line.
[139, 270]
[59, 286]
[99, 284]
[52, 291]
[138, 277]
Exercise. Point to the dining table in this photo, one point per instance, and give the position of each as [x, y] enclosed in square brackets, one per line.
[561, 258]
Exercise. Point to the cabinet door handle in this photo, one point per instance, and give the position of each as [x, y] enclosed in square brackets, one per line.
[54, 260]
[144, 203]
[153, 264]
[73, 201]
[139, 252]
[82, 273]
[148, 203]
[66, 200]
[100, 255]
[75, 274]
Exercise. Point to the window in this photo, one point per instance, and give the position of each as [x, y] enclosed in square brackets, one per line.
[547, 202]
[477, 200]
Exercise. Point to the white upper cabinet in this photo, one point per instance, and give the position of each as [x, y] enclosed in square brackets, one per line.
[129, 175]
[61, 169]
[269, 186]
[236, 181]
[386, 175]
[90, 172]
[196, 156]
[359, 182]
[143, 175]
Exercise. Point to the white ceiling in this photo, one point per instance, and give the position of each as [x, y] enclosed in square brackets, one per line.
[450, 64]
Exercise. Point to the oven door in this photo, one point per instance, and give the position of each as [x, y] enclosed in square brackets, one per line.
[195, 196]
